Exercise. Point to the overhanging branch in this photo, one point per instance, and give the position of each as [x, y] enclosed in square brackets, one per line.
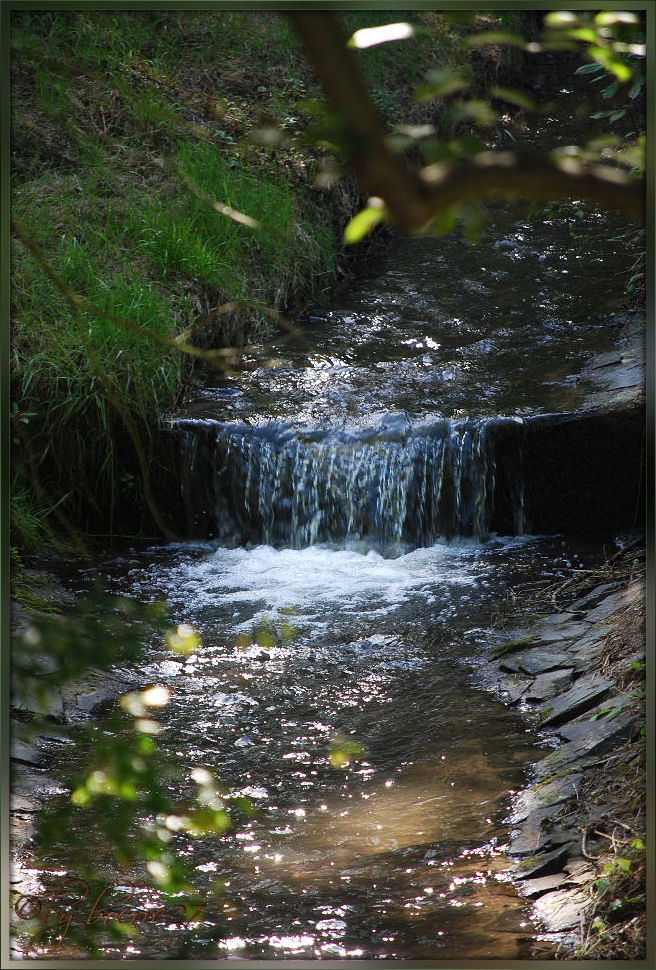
[414, 197]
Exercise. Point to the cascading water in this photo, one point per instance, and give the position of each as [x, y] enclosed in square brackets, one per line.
[393, 487]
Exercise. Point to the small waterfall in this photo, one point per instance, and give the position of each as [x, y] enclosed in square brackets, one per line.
[393, 487]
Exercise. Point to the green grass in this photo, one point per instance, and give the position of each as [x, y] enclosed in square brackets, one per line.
[125, 128]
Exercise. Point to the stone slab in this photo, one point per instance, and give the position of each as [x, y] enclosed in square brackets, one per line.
[579, 871]
[581, 751]
[549, 684]
[26, 753]
[592, 598]
[579, 728]
[565, 631]
[562, 909]
[542, 864]
[568, 615]
[536, 661]
[586, 652]
[609, 605]
[550, 795]
[631, 377]
[529, 838]
[537, 834]
[20, 803]
[543, 884]
[587, 690]
[512, 687]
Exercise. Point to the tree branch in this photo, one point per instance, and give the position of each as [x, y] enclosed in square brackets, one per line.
[413, 197]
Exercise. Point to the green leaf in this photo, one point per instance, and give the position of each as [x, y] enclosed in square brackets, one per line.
[608, 59]
[609, 18]
[362, 223]
[371, 36]
[611, 89]
[439, 84]
[624, 865]
[399, 143]
[467, 144]
[478, 111]
[616, 115]
[435, 150]
[444, 221]
[472, 222]
[513, 97]
[495, 37]
[342, 750]
[586, 34]
[561, 18]
[590, 68]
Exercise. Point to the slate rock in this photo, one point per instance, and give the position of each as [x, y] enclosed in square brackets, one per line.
[550, 795]
[562, 909]
[625, 378]
[566, 631]
[555, 619]
[603, 360]
[533, 837]
[50, 706]
[586, 652]
[579, 752]
[26, 753]
[512, 687]
[536, 661]
[583, 725]
[586, 691]
[549, 684]
[543, 884]
[529, 837]
[579, 871]
[542, 864]
[592, 599]
[97, 689]
[22, 804]
[608, 606]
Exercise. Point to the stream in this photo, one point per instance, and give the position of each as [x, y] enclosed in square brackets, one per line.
[343, 568]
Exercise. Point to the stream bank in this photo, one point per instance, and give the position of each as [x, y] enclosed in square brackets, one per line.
[578, 674]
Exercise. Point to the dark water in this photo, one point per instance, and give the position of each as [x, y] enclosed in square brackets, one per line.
[444, 328]
[347, 479]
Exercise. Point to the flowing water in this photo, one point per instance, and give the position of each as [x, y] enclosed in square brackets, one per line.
[400, 852]
[343, 569]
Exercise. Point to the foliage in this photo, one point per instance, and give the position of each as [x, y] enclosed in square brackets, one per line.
[614, 46]
[342, 750]
[118, 793]
[99, 630]
[615, 920]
